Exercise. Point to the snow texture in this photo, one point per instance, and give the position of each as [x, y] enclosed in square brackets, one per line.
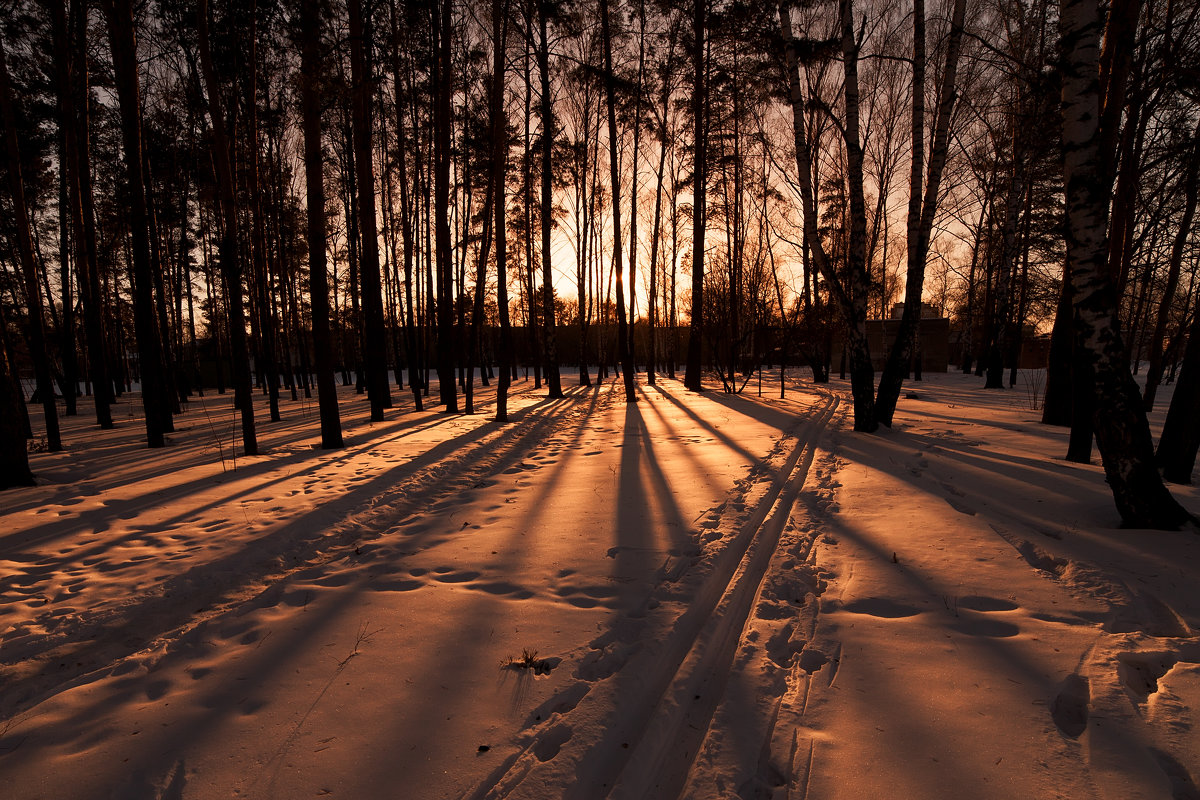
[693, 596]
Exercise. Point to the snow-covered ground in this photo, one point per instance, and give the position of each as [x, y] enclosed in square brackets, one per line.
[705, 596]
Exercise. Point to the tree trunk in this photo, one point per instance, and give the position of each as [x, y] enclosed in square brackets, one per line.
[123, 42]
[415, 378]
[526, 274]
[170, 391]
[1122, 432]
[500, 205]
[1056, 403]
[691, 375]
[553, 380]
[1180, 440]
[33, 292]
[477, 306]
[68, 62]
[624, 351]
[441, 203]
[227, 252]
[851, 296]
[79, 167]
[583, 226]
[1155, 370]
[66, 333]
[656, 233]
[14, 455]
[921, 212]
[267, 350]
[311, 67]
[633, 189]
[375, 337]
[1005, 270]
[1018, 329]
[862, 373]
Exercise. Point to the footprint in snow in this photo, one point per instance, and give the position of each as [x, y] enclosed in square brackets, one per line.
[1140, 672]
[1069, 708]
[502, 588]
[960, 507]
[156, 689]
[881, 607]
[454, 577]
[982, 626]
[548, 744]
[395, 585]
[977, 602]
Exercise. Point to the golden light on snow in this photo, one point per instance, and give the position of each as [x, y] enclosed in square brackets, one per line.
[692, 595]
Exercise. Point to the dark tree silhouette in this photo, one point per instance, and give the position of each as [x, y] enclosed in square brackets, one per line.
[155, 399]
[33, 292]
[375, 342]
[1181, 432]
[268, 367]
[442, 134]
[500, 10]
[71, 44]
[691, 375]
[1122, 432]
[921, 204]
[228, 249]
[550, 343]
[415, 377]
[311, 69]
[624, 347]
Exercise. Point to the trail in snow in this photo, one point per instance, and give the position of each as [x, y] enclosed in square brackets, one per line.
[633, 726]
[727, 596]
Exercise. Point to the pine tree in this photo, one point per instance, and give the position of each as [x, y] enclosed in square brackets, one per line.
[311, 70]
[29, 269]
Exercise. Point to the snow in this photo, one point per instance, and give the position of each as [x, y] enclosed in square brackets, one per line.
[705, 596]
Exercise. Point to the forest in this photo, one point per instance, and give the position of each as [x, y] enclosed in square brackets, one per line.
[276, 198]
[363, 345]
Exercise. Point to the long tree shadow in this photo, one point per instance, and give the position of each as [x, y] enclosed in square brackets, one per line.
[525, 544]
[659, 642]
[239, 688]
[291, 466]
[201, 442]
[704, 424]
[363, 513]
[198, 441]
[768, 411]
[987, 641]
[639, 544]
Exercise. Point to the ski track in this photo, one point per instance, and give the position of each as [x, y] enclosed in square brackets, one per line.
[669, 692]
[56, 651]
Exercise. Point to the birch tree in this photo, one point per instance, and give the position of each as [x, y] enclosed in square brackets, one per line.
[1121, 429]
